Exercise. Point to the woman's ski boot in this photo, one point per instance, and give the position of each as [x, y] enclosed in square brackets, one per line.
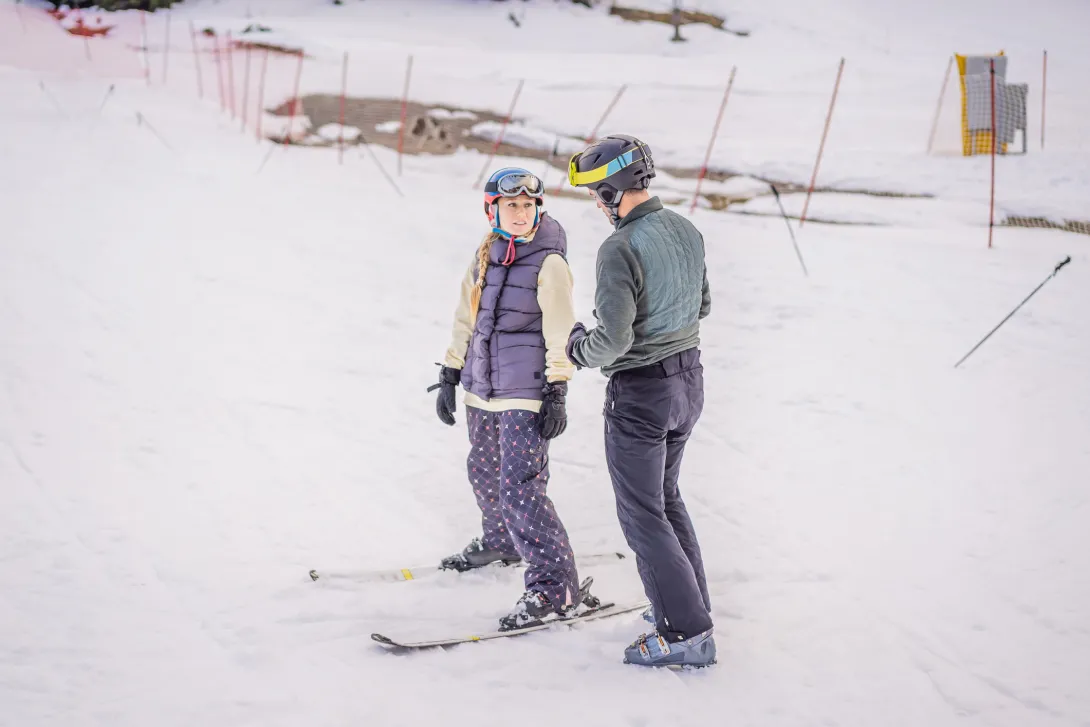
[476, 555]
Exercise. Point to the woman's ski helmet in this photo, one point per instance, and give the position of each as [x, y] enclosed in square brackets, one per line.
[511, 182]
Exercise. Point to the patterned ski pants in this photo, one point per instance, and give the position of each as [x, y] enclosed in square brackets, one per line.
[508, 466]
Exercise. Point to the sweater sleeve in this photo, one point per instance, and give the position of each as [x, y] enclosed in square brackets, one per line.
[463, 325]
[705, 290]
[705, 297]
[554, 297]
[618, 283]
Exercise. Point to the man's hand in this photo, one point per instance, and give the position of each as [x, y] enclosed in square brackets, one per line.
[578, 333]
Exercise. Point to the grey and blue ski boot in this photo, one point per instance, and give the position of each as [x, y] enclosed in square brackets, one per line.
[475, 555]
[534, 609]
[654, 650]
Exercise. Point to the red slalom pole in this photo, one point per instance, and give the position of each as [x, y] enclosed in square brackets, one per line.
[246, 89]
[86, 40]
[597, 127]
[594, 132]
[821, 149]
[499, 137]
[230, 74]
[19, 14]
[711, 142]
[197, 60]
[938, 106]
[404, 110]
[261, 93]
[144, 42]
[991, 212]
[295, 98]
[166, 50]
[219, 73]
[1044, 81]
[344, 92]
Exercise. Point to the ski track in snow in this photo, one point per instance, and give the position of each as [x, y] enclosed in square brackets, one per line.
[213, 380]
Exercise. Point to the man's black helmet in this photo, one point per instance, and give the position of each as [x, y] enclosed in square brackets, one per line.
[612, 165]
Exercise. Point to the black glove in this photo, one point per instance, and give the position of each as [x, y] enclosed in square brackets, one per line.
[578, 333]
[445, 404]
[554, 418]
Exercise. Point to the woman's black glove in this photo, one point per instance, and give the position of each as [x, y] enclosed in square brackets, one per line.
[554, 418]
[445, 404]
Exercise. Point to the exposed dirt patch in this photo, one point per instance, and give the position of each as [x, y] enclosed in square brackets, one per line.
[814, 220]
[1076, 226]
[249, 39]
[722, 175]
[441, 129]
[687, 16]
[429, 128]
[438, 129]
[271, 47]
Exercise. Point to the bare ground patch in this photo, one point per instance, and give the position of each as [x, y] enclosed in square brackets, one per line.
[443, 129]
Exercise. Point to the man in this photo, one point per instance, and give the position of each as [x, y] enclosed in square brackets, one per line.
[652, 290]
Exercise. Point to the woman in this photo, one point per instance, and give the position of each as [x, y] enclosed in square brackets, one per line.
[507, 351]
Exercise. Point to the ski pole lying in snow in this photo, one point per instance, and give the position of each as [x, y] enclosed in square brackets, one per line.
[783, 212]
[20, 16]
[1059, 266]
[56, 103]
[105, 99]
[109, 92]
[272, 148]
[381, 168]
[142, 120]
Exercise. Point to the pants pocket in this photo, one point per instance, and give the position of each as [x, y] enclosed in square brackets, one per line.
[611, 396]
[607, 405]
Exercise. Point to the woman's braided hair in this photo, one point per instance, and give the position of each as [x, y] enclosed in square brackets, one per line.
[482, 268]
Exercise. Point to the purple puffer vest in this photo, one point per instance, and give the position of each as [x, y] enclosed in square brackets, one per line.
[506, 356]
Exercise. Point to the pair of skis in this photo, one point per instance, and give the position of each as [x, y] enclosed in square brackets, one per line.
[595, 612]
[604, 610]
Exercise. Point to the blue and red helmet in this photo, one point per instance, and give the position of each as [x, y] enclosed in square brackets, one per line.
[510, 182]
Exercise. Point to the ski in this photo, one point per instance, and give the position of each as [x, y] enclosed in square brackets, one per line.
[391, 575]
[604, 610]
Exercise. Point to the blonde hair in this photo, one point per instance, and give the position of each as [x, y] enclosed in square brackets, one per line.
[482, 269]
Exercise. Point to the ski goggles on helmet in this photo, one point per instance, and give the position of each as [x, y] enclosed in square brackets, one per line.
[512, 185]
[593, 178]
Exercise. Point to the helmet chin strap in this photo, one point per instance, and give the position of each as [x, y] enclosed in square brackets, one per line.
[507, 235]
[511, 254]
[615, 209]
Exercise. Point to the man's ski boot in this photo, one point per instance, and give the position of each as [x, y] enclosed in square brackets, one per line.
[475, 555]
[654, 650]
[534, 609]
[648, 615]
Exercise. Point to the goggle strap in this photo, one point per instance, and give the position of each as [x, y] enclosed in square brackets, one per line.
[578, 179]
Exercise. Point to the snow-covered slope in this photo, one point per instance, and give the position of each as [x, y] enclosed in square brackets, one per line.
[212, 379]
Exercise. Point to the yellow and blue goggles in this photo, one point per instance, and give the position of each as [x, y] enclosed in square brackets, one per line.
[583, 179]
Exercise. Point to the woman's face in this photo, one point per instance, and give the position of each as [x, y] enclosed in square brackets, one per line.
[517, 215]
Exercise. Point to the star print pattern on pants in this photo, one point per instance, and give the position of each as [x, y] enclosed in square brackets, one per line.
[508, 466]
